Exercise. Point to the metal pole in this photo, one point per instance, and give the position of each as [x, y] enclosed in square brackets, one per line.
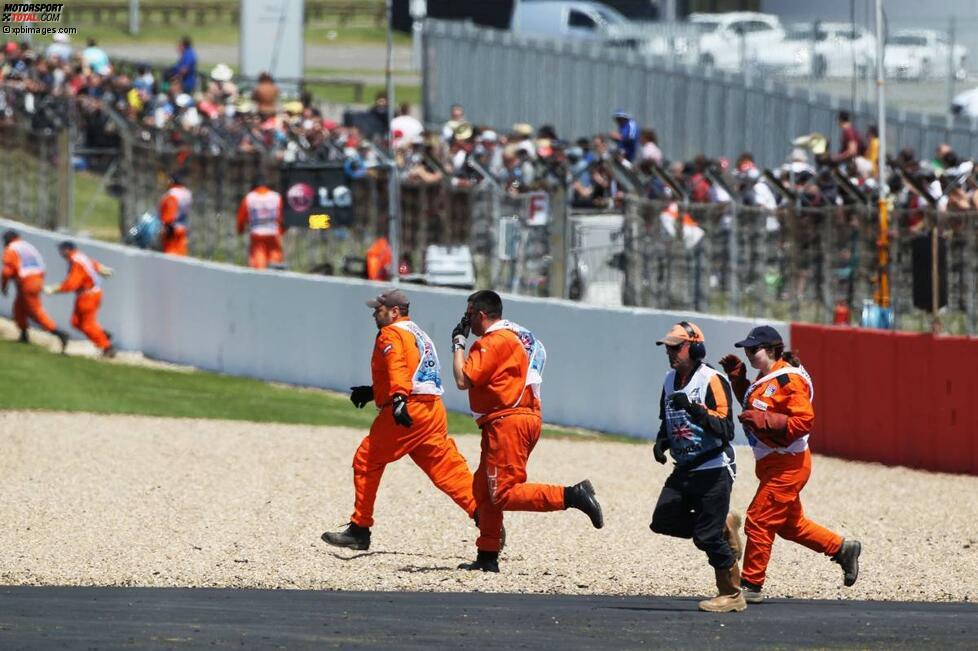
[134, 17]
[883, 290]
[733, 253]
[950, 64]
[393, 191]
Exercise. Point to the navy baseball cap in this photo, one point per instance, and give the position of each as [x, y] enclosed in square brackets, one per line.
[761, 336]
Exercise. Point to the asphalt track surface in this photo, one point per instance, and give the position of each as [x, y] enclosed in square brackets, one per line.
[180, 618]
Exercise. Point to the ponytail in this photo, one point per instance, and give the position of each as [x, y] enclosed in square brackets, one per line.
[789, 356]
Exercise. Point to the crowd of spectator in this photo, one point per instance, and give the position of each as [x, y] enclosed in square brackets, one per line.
[215, 113]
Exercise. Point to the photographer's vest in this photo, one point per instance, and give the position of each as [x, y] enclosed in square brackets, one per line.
[692, 447]
[426, 379]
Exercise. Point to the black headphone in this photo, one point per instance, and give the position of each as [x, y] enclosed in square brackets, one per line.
[697, 349]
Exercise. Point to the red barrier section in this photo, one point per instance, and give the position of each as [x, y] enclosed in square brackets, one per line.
[896, 398]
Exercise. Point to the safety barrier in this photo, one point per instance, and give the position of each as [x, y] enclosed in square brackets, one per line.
[603, 372]
[894, 397]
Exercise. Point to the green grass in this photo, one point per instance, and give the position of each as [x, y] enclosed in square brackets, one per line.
[345, 94]
[96, 211]
[65, 383]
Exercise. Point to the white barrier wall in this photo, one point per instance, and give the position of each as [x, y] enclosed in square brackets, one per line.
[603, 372]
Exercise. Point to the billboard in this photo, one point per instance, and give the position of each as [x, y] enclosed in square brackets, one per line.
[317, 197]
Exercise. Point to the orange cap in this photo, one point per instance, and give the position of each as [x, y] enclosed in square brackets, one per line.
[682, 331]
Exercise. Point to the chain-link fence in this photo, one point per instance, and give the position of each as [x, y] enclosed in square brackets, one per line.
[808, 264]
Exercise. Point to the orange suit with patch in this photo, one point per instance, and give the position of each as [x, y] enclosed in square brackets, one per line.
[83, 279]
[261, 212]
[23, 265]
[175, 216]
[393, 365]
[511, 423]
[783, 471]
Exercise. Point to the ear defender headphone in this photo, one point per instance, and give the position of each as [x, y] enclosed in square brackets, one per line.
[697, 349]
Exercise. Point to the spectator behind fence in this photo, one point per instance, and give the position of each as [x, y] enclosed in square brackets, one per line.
[265, 96]
[95, 59]
[650, 146]
[185, 69]
[627, 134]
[851, 144]
[458, 116]
[221, 89]
[59, 51]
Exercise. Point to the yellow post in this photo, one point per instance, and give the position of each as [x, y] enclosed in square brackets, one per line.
[883, 248]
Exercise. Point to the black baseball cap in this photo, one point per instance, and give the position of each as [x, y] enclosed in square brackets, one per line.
[390, 298]
[761, 336]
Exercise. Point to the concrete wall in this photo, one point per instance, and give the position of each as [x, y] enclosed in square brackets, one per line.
[604, 370]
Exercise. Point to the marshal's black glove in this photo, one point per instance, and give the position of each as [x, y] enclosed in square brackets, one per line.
[401, 415]
[659, 449]
[361, 395]
[680, 400]
[461, 334]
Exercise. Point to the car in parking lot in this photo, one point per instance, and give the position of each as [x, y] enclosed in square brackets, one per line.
[729, 40]
[921, 54]
[820, 50]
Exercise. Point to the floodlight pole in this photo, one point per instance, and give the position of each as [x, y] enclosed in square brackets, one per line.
[393, 185]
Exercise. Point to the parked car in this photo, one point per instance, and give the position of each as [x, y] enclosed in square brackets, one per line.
[922, 53]
[836, 46]
[965, 103]
[728, 38]
[589, 21]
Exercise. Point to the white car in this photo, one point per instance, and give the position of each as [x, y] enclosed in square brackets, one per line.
[922, 53]
[729, 40]
[965, 103]
[836, 46]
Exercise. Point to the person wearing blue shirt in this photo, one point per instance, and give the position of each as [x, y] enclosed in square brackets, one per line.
[627, 134]
[186, 67]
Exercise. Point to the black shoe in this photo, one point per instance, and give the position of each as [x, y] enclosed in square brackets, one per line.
[484, 562]
[353, 536]
[109, 352]
[848, 558]
[23, 338]
[62, 337]
[581, 496]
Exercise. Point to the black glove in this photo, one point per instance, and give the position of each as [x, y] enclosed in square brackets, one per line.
[461, 333]
[401, 415]
[659, 449]
[680, 400]
[168, 230]
[361, 395]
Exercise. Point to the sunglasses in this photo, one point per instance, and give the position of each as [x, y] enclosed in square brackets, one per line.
[750, 350]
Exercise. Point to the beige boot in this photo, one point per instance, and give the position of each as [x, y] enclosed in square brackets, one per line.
[731, 531]
[730, 599]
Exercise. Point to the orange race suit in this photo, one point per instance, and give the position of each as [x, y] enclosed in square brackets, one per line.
[778, 431]
[504, 371]
[175, 217]
[404, 361]
[24, 266]
[83, 278]
[261, 212]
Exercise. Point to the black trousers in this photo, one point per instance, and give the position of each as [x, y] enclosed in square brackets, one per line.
[695, 505]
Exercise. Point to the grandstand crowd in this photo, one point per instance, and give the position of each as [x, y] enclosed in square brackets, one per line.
[183, 108]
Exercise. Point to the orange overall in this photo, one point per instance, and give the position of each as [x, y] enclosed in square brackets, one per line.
[83, 279]
[511, 422]
[784, 464]
[261, 212]
[393, 364]
[175, 216]
[23, 265]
